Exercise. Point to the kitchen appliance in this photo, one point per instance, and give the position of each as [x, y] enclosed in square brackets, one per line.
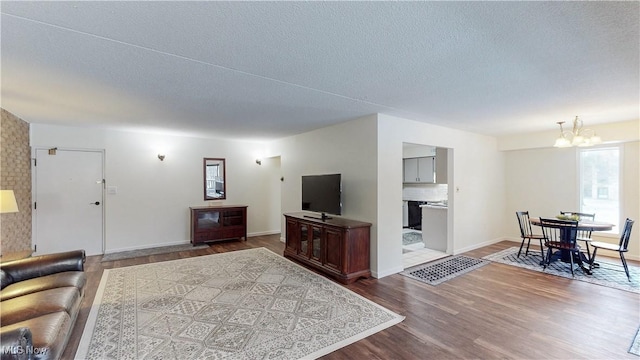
[415, 214]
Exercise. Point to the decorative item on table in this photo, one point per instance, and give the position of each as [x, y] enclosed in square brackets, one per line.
[568, 217]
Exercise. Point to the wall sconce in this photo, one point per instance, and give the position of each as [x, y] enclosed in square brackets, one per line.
[258, 161]
[161, 157]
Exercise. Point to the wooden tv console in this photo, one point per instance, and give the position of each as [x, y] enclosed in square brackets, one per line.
[337, 247]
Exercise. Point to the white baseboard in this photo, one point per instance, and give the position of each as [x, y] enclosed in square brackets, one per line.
[387, 272]
[263, 233]
[148, 246]
[483, 244]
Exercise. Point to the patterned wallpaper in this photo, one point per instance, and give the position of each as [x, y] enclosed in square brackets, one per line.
[15, 174]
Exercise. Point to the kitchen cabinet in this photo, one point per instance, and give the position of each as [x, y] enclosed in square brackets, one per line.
[337, 247]
[419, 170]
[434, 227]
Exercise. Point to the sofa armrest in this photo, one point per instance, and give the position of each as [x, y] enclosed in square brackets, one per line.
[15, 344]
[32, 267]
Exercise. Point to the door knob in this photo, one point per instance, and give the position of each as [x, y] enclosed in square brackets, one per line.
[95, 203]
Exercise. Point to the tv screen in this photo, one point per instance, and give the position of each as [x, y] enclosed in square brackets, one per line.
[322, 193]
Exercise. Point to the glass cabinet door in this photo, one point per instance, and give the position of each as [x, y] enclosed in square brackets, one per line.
[315, 242]
[232, 218]
[208, 219]
[304, 239]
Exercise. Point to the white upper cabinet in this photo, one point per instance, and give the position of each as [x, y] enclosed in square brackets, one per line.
[419, 170]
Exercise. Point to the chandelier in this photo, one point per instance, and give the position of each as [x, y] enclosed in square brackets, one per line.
[578, 136]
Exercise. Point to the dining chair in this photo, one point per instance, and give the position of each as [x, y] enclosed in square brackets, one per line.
[560, 235]
[621, 247]
[527, 234]
[583, 235]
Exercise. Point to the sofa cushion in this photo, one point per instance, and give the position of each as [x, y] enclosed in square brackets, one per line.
[49, 332]
[63, 279]
[38, 266]
[45, 302]
[5, 278]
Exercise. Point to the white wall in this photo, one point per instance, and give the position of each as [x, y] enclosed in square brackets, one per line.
[476, 187]
[543, 181]
[270, 195]
[151, 207]
[349, 149]
[619, 132]
[368, 153]
[486, 183]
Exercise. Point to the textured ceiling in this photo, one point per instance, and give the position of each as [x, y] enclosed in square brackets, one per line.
[264, 70]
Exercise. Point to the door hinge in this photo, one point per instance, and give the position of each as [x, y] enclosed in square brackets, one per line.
[35, 162]
[35, 205]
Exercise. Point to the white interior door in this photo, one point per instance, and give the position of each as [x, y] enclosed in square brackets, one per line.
[68, 198]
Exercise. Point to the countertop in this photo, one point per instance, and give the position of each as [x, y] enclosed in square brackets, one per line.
[439, 207]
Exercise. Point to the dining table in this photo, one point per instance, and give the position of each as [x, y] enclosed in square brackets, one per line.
[583, 225]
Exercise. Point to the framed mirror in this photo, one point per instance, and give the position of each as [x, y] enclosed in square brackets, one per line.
[214, 179]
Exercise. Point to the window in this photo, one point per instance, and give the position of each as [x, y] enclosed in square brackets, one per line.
[600, 184]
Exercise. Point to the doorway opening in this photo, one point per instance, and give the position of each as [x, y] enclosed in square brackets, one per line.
[425, 203]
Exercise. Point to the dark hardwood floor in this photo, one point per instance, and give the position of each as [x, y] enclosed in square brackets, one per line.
[497, 311]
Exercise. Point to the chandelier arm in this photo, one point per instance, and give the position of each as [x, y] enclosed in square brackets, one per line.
[577, 126]
[561, 129]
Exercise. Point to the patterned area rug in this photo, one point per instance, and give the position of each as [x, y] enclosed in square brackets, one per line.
[249, 304]
[439, 271]
[635, 345]
[409, 238]
[151, 251]
[610, 275]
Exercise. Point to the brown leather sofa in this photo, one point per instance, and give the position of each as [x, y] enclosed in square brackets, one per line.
[39, 301]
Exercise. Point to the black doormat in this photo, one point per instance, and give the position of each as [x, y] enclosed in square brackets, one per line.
[436, 272]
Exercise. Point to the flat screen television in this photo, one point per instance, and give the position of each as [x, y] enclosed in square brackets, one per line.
[322, 193]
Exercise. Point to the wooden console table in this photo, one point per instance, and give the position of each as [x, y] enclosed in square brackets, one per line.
[337, 247]
[216, 223]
